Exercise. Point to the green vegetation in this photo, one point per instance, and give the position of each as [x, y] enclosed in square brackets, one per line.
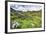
[29, 19]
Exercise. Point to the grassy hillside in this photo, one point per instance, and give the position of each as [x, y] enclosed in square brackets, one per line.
[29, 19]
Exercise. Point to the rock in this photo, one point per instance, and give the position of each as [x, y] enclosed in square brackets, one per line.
[15, 25]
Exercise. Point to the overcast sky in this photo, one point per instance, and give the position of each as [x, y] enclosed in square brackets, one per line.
[26, 7]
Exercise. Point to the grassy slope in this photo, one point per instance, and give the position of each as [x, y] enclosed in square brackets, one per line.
[30, 19]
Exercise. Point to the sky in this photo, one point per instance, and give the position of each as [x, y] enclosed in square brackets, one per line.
[26, 7]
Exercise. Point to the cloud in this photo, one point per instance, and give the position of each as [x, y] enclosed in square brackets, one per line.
[26, 7]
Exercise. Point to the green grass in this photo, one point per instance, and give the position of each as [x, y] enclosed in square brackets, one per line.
[29, 19]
